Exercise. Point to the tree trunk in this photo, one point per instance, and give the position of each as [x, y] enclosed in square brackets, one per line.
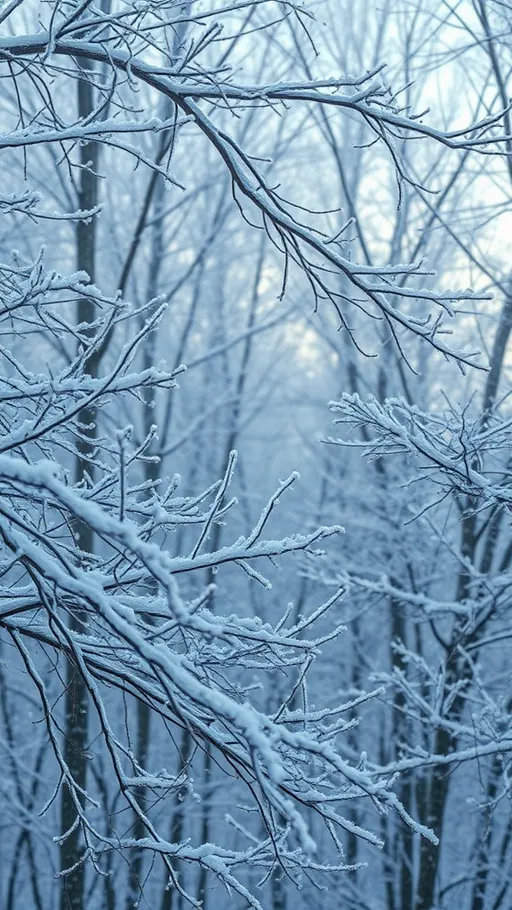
[177, 826]
[76, 701]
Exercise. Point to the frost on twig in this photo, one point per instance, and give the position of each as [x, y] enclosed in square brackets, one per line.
[138, 60]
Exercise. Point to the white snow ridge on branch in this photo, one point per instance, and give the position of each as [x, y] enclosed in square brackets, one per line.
[119, 595]
[132, 48]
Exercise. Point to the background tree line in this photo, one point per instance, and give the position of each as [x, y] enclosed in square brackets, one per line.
[200, 675]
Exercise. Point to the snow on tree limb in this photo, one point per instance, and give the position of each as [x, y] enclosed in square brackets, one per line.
[126, 60]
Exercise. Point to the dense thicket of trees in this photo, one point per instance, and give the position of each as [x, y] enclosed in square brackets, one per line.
[220, 680]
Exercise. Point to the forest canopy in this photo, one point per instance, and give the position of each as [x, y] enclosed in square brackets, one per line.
[255, 481]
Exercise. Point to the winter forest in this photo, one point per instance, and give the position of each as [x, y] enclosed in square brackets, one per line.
[255, 454]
